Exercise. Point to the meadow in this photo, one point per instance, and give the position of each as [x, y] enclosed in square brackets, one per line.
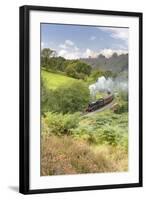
[54, 80]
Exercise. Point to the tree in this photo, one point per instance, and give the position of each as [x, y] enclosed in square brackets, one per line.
[78, 69]
[98, 73]
[46, 54]
[60, 63]
[83, 68]
[70, 71]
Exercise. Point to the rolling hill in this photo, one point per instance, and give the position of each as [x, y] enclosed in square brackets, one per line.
[116, 63]
[54, 80]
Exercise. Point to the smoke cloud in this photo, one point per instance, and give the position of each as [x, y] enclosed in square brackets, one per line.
[108, 85]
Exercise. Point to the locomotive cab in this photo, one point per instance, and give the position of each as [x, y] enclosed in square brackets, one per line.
[100, 103]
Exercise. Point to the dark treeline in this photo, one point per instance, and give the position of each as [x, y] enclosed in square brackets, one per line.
[116, 63]
[73, 68]
[77, 68]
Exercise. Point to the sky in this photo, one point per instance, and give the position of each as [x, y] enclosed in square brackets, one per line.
[77, 41]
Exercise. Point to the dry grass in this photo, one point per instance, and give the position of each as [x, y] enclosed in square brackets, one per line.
[116, 154]
[65, 155]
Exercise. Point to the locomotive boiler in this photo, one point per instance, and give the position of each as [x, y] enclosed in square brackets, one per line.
[99, 103]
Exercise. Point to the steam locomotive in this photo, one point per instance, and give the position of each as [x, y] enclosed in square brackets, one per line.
[99, 103]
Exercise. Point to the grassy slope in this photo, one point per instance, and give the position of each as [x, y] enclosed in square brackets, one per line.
[53, 80]
[81, 156]
[82, 151]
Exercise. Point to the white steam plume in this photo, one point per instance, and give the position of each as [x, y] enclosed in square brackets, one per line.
[108, 85]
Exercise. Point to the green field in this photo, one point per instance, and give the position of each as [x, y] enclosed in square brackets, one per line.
[53, 80]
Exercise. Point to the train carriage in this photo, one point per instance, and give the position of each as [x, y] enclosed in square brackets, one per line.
[108, 99]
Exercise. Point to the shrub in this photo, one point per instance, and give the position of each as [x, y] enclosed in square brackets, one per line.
[92, 139]
[48, 100]
[60, 124]
[108, 135]
[124, 142]
[123, 95]
[72, 98]
[121, 108]
[66, 99]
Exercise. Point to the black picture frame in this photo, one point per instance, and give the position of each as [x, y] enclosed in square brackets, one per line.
[24, 147]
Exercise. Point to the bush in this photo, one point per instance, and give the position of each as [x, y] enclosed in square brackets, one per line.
[66, 99]
[73, 98]
[121, 108]
[48, 100]
[124, 142]
[123, 95]
[60, 124]
[108, 136]
[86, 133]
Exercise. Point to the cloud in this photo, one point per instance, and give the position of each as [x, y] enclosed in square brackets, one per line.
[105, 52]
[89, 53]
[109, 52]
[45, 45]
[67, 44]
[92, 37]
[69, 50]
[69, 54]
[62, 53]
[117, 33]
[63, 46]
[76, 48]
[76, 54]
